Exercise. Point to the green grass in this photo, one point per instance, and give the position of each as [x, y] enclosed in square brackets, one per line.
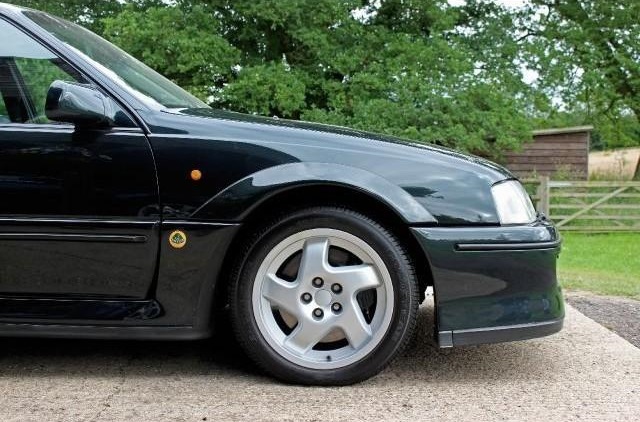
[607, 264]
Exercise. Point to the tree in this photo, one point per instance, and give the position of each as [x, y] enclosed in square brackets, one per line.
[185, 45]
[420, 69]
[417, 69]
[403, 68]
[88, 13]
[587, 53]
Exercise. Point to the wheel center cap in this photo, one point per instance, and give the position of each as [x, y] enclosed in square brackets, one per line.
[323, 297]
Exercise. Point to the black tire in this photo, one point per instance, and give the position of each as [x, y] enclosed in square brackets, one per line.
[386, 245]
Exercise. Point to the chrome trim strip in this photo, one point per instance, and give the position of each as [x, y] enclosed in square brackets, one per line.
[9, 220]
[467, 247]
[74, 237]
[45, 127]
[508, 327]
[499, 334]
[196, 223]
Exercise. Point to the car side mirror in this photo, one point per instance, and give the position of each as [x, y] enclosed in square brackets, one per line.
[80, 104]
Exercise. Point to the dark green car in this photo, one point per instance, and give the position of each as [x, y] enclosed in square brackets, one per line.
[130, 209]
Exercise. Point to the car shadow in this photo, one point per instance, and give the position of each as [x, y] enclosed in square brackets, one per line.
[221, 353]
[221, 357]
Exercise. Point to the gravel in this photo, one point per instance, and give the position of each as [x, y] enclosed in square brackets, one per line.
[620, 315]
[585, 372]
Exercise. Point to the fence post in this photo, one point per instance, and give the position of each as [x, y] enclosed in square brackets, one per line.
[543, 195]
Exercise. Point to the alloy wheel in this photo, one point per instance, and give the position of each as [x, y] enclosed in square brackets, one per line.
[323, 298]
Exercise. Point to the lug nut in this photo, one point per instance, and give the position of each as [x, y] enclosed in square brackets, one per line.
[336, 288]
[317, 282]
[318, 313]
[306, 297]
[336, 307]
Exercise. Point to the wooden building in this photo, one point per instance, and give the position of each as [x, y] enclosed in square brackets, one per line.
[562, 151]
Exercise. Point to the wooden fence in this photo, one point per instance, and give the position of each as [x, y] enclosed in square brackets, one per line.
[588, 206]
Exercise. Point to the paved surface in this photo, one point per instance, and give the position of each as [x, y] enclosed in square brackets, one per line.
[619, 314]
[584, 373]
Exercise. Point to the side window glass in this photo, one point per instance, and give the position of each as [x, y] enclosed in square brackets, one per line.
[38, 75]
[4, 118]
[27, 70]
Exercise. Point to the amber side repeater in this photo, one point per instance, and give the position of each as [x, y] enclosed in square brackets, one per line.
[196, 175]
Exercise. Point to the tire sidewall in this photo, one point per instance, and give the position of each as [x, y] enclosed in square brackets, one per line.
[398, 265]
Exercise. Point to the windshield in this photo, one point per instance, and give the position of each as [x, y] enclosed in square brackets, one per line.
[146, 84]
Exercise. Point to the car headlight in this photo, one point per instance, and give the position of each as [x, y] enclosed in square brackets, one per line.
[513, 204]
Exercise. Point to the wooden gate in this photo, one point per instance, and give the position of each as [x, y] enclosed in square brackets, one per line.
[589, 206]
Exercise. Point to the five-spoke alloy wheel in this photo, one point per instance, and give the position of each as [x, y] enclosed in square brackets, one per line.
[324, 296]
[304, 319]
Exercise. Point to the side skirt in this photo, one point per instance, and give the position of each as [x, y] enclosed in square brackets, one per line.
[102, 332]
[21, 309]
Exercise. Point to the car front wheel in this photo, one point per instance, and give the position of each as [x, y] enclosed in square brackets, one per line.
[324, 296]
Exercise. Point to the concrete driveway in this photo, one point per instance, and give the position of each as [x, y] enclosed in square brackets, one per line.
[584, 373]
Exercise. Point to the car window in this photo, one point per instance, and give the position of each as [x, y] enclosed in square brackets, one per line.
[38, 75]
[27, 69]
[147, 85]
[4, 117]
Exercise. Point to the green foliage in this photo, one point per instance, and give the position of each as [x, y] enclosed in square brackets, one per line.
[420, 69]
[586, 52]
[38, 76]
[185, 46]
[401, 70]
[271, 89]
[88, 13]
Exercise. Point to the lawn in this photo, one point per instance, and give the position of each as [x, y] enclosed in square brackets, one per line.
[607, 264]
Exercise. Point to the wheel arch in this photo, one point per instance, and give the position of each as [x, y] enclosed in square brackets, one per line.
[316, 193]
[238, 201]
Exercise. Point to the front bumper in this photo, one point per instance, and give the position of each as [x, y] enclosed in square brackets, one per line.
[494, 284]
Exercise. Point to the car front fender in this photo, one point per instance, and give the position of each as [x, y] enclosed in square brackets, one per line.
[238, 200]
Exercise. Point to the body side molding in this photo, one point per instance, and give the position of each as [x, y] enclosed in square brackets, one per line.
[74, 237]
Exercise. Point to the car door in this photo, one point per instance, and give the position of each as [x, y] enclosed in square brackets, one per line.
[78, 207]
